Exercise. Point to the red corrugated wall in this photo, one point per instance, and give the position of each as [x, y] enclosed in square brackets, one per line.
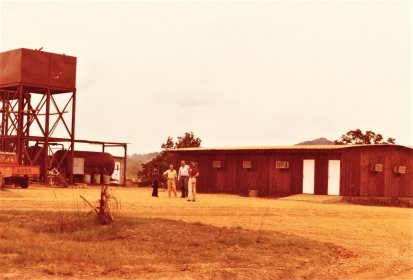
[356, 179]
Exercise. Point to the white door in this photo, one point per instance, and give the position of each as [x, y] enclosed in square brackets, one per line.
[308, 176]
[116, 172]
[333, 177]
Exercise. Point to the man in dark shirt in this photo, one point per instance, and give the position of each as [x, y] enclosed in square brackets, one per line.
[155, 180]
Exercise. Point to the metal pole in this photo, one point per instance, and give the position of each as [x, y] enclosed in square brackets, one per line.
[20, 117]
[6, 147]
[46, 137]
[72, 138]
[27, 103]
[125, 147]
[3, 122]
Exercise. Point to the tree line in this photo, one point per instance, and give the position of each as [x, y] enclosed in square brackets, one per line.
[163, 159]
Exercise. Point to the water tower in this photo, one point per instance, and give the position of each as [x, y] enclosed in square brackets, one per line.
[37, 106]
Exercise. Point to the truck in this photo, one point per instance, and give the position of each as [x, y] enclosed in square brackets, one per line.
[13, 173]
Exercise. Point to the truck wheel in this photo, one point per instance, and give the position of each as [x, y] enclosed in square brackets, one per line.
[24, 182]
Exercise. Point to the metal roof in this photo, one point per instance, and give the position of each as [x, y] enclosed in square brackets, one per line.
[278, 148]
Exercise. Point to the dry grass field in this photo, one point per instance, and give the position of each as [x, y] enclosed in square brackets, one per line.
[49, 233]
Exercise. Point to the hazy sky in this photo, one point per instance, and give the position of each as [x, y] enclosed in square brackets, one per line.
[234, 73]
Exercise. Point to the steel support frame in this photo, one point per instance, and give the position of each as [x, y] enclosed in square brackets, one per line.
[18, 114]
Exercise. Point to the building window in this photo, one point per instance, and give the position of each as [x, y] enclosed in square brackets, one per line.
[247, 164]
[216, 164]
[376, 167]
[399, 169]
[282, 164]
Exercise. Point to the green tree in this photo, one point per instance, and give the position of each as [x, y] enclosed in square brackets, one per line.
[358, 137]
[188, 141]
[169, 144]
[163, 160]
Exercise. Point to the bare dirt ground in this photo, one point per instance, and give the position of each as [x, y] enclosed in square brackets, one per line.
[217, 237]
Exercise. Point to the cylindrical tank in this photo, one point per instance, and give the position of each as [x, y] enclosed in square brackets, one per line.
[106, 179]
[33, 151]
[87, 179]
[95, 162]
[96, 179]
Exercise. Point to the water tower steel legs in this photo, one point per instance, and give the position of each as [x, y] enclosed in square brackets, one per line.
[72, 139]
[19, 113]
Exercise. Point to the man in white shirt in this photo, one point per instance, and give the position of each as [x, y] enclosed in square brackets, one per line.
[183, 176]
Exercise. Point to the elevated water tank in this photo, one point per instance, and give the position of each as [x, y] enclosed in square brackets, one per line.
[37, 68]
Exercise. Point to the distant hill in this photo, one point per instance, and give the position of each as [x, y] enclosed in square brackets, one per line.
[143, 157]
[135, 162]
[319, 141]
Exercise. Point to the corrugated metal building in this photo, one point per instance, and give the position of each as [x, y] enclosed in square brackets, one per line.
[347, 170]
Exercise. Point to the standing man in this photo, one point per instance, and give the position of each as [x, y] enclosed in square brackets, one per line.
[155, 180]
[193, 174]
[170, 175]
[183, 176]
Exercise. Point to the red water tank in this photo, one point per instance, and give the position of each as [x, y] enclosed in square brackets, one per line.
[37, 68]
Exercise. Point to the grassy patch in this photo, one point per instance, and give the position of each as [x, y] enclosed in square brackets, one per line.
[73, 244]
